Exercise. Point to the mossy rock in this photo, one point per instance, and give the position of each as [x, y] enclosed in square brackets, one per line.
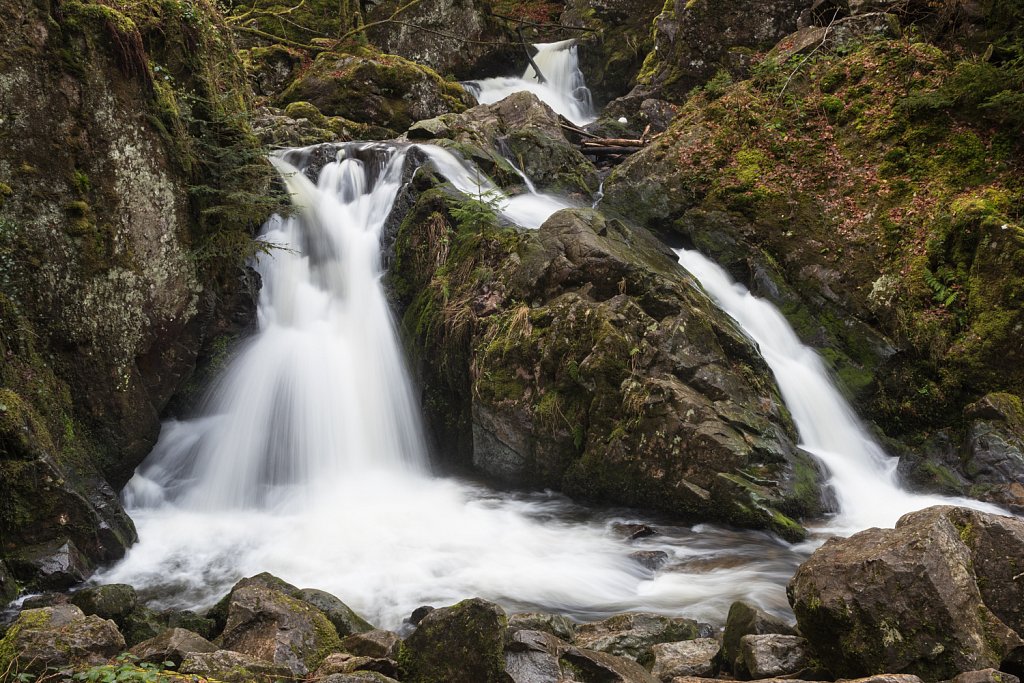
[464, 643]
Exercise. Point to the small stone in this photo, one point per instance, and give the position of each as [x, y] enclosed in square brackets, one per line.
[652, 559]
[772, 655]
[686, 658]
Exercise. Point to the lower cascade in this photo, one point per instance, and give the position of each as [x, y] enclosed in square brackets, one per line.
[309, 462]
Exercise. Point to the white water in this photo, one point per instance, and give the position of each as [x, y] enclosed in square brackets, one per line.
[564, 89]
[309, 460]
[863, 476]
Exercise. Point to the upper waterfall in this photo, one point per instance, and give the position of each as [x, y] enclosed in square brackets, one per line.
[563, 87]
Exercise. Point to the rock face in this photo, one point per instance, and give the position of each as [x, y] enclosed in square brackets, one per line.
[57, 636]
[103, 300]
[384, 90]
[694, 40]
[480, 46]
[933, 597]
[580, 357]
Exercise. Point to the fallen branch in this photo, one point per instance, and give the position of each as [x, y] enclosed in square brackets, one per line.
[566, 125]
[622, 142]
[529, 57]
[614, 149]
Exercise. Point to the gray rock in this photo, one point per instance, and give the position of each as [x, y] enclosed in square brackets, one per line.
[687, 658]
[269, 624]
[533, 657]
[345, 620]
[173, 644]
[604, 667]
[743, 620]
[345, 663]
[985, 676]
[234, 667]
[58, 636]
[633, 633]
[375, 643]
[773, 655]
[55, 564]
[113, 601]
[913, 598]
[556, 624]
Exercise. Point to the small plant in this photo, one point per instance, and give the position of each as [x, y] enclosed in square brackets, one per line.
[478, 212]
[127, 668]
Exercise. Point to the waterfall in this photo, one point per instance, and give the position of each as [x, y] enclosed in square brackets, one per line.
[308, 461]
[862, 475]
[563, 89]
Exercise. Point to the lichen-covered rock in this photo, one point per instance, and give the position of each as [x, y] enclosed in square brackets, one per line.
[914, 599]
[632, 634]
[695, 657]
[57, 636]
[112, 601]
[743, 620]
[269, 624]
[173, 644]
[464, 643]
[368, 87]
[773, 655]
[234, 667]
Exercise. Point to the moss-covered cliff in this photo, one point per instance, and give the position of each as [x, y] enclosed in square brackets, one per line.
[130, 186]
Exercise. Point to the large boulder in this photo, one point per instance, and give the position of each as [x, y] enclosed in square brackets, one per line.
[933, 597]
[464, 643]
[269, 624]
[373, 88]
[55, 637]
[581, 357]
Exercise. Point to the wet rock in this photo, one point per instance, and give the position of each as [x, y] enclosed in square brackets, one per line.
[557, 625]
[634, 633]
[601, 666]
[464, 643]
[533, 657]
[345, 620]
[113, 601]
[234, 667]
[994, 447]
[55, 637]
[985, 676]
[687, 658]
[375, 643]
[773, 655]
[914, 599]
[634, 531]
[743, 620]
[173, 644]
[56, 564]
[383, 90]
[652, 559]
[269, 624]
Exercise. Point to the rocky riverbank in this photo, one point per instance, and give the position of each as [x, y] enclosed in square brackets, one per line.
[937, 598]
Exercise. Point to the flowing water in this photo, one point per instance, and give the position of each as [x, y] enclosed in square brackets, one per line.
[308, 459]
[563, 89]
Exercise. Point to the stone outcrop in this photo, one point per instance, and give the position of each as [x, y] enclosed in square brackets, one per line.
[933, 597]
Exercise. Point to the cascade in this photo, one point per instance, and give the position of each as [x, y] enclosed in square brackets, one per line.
[308, 461]
[862, 476]
[563, 89]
